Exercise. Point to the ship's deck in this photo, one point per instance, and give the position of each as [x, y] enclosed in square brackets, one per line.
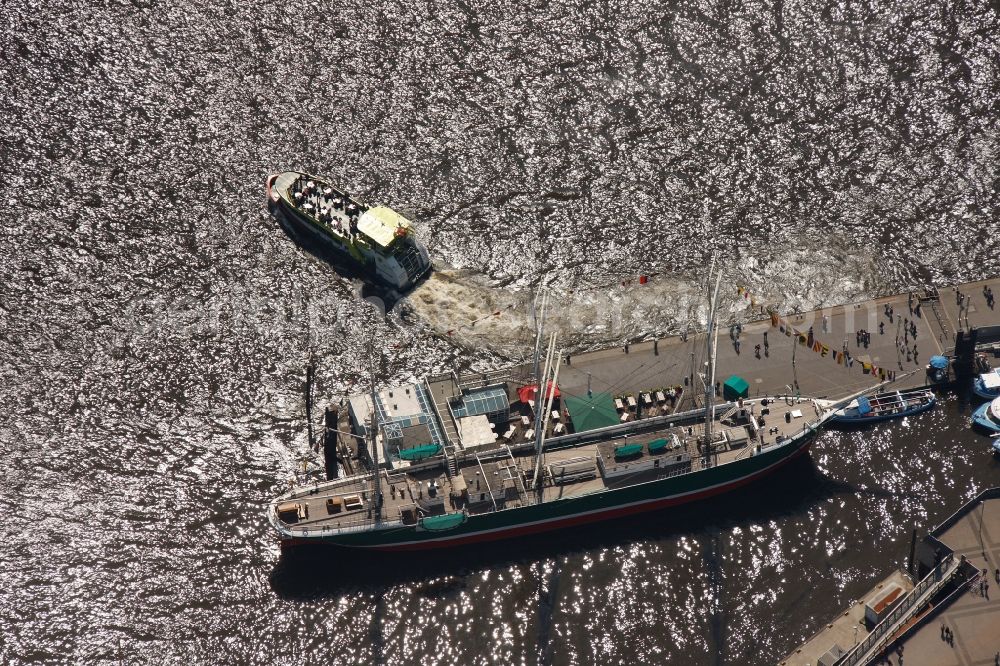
[323, 203]
[498, 478]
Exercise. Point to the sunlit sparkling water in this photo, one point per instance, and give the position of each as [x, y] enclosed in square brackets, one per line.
[156, 322]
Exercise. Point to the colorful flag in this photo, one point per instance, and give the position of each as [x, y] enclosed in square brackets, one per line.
[825, 349]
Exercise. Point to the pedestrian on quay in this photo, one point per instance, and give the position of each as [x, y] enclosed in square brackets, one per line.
[756, 351]
[881, 328]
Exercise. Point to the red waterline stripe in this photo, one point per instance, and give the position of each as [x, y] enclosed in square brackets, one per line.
[561, 523]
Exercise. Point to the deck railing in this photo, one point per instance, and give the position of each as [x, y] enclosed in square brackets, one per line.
[911, 603]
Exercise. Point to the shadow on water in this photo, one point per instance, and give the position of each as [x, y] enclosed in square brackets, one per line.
[321, 571]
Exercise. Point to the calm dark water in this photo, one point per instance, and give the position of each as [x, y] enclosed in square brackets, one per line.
[156, 323]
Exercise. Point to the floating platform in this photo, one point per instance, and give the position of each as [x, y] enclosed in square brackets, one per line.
[908, 616]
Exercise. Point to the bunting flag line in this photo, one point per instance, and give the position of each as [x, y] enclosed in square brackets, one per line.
[807, 339]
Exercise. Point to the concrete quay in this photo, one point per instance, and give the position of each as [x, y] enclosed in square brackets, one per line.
[786, 367]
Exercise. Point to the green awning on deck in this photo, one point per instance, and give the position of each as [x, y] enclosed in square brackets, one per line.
[735, 388]
[591, 412]
[419, 452]
[628, 450]
[657, 445]
[443, 522]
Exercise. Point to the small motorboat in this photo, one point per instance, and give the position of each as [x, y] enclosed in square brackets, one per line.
[987, 417]
[987, 385]
[884, 406]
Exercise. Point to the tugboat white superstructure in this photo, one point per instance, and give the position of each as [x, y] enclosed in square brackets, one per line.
[376, 240]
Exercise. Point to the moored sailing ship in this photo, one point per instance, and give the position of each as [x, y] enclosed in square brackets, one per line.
[478, 459]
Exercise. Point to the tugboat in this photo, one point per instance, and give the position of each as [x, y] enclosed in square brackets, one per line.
[376, 240]
[884, 406]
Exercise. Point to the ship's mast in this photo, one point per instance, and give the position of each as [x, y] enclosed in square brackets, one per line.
[376, 479]
[712, 343]
[540, 378]
[539, 325]
[548, 398]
